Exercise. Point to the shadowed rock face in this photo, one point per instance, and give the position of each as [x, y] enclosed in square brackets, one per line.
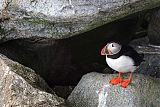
[62, 18]
[151, 64]
[44, 56]
[154, 28]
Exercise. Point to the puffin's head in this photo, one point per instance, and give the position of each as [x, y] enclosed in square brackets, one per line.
[111, 49]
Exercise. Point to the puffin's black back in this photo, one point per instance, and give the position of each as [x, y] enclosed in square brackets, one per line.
[129, 51]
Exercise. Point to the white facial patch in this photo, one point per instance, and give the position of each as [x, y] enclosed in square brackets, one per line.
[114, 48]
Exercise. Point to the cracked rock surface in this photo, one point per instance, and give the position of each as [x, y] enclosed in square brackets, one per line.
[20, 86]
[62, 18]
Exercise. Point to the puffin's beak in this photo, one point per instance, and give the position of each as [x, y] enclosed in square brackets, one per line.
[109, 51]
[103, 51]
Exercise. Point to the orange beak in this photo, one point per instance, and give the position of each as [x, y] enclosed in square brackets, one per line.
[103, 51]
[109, 51]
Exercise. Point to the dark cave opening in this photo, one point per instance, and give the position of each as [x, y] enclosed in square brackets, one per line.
[64, 61]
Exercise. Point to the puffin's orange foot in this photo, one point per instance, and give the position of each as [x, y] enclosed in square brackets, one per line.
[116, 80]
[125, 83]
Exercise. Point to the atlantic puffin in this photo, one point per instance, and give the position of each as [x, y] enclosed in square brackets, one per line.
[122, 58]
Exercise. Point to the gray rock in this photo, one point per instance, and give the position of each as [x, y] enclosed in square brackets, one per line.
[21, 87]
[154, 28]
[62, 18]
[151, 64]
[94, 90]
[63, 91]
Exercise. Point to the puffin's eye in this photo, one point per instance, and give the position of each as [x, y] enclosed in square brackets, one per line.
[112, 45]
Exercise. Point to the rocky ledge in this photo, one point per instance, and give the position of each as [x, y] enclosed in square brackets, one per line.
[94, 90]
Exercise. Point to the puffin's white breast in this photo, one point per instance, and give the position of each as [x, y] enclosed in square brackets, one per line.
[121, 64]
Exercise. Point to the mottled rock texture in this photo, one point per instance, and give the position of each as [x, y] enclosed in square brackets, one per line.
[94, 91]
[151, 64]
[20, 86]
[154, 28]
[62, 18]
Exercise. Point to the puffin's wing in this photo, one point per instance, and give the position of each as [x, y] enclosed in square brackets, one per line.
[129, 51]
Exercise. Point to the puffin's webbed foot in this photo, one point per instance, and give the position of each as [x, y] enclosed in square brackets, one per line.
[126, 82]
[116, 80]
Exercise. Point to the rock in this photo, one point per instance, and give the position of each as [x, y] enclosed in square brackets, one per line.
[154, 28]
[20, 86]
[63, 91]
[94, 90]
[62, 18]
[151, 64]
